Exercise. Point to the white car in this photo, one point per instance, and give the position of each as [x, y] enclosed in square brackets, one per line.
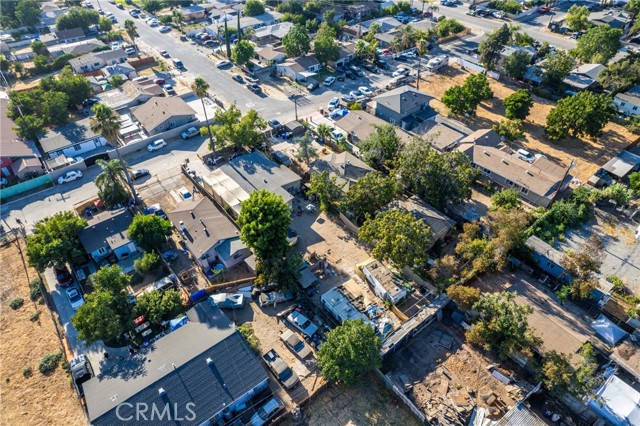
[266, 412]
[130, 51]
[164, 29]
[333, 104]
[329, 81]
[400, 72]
[184, 193]
[74, 160]
[498, 14]
[75, 298]
[153, 22]
[189, 133]
[365, 91]
[156, 145]
[115, 45]
[302, 323]
[223, 63]
[69, 176]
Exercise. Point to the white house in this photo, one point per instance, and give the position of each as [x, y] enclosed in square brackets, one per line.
[383, 282]
[72, 139]
[628, 103]
[300, 68]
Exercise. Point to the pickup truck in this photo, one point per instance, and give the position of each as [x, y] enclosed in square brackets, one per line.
[281, 370]
[189, 133]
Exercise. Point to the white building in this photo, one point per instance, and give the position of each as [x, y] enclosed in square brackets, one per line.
[384, 283]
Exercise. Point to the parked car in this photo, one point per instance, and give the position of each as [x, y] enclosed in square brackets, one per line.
[156, 145]
[333, 104]
[254, 88]
[164, 29]
[252, 80]
[329, 81]
[189, 133]
[525, 155]
[400, 72]
[139, 173]
[130, 51]
[282, 158]
[115, 45]
[210, 43]
[237, 77]
[365, 91]
[75, 298]
[371, 68]
[227, 300]
[498, 14]
[160, 285]
[159, 81]
[264, 413]
[544, 9]
[313, 86]
[295, 344]
[153, 22]
[274, 123]
[169, 89]
[156, 210]
[223, 63]
[350, 74]
[348, 99]
[281, 370]
[184, 193]
[164, 53]
[302, 323]
[63, 277]
[74, 160]
[81, 371]
[69, 176]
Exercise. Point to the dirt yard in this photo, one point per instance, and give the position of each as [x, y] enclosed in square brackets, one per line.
[36, 398]
[368, 403]
[589, 155]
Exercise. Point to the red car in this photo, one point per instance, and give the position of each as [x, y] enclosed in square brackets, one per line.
[544, 9]
[63, 276]
[159, 81]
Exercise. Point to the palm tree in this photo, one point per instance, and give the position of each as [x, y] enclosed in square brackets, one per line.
[112, 182]
[177, 17]
[107, 123]
[323, 131]
[406, 37]
[306, 151]
[200, 88]
[131, 30]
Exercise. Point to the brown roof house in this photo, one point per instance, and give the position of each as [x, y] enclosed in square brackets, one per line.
[359, 125]
[440, 224]
[538, 179]
[161, 114]
[209, 234]
[346, 167]
[300, 68]
[17, 158]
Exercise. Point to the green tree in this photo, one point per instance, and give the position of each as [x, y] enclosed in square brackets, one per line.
[201, 88]
[351, 350]
[439, 179]
[152, 5]
[584, 114]
[502, 325]
[511, 130]
[242, 52]
[560, 377]
[77, 17]
[39, 48]
[253, 8]
[465, 297]
[491, 47]
[380, 148]
[306, 151]
[326, 189]
[231, 127]
[325, 46]
[599, 44]
[149, 231]
[112, 182]
[583, 265]
[131, 30]
[54, 106]
[323, 131]
[518, 104]
[508, 199]
[159, 306]
[633, 7]
[29, 127]
[448, 26]
[556, 68]
[75, 86]
[477, 86]
[620, 76]
[634, 182]
[370, 193]
[177, 17]
[577, 18]
[148, 263]
[466, 98]
[41, 64]
[18, 69]
[297, 41]
[28, 12]
[516, 64]
[105, 24]
[398, 237]
[54, 241]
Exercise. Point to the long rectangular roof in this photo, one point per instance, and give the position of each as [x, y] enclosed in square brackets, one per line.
[10, 144]
[106, 228]
[159, 109]
[439, 223]
[67, 135]
[544, 249]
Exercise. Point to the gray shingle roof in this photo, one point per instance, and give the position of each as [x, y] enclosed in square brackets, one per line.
[107, 228]
[67, 135]
[157, 110]
[439, 223]
[403, 99]
[345, 166]
[544, 249]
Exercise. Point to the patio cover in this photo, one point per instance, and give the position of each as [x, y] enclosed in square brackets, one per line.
[617, 402]
[306, 278]
[307, 74]
[608, 331]
[618, 167]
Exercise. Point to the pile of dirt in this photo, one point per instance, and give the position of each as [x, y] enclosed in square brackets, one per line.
[28, 396]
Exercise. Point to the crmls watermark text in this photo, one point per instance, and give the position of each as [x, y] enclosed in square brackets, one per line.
[154, 412]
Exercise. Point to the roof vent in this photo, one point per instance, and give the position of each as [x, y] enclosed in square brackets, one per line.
[485, 153]
[505, 161]
[202, 223]
[529, 173]
[209, 361]
[193, 216]
[264, 180]
[182, 227]
[161, 391]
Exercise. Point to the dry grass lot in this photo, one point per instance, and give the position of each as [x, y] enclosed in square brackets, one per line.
[588, 154]
[38, 399]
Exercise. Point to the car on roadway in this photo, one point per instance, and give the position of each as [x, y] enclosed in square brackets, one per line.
[130, 51]
[164, 53]
[139, 173]
[264, 413]
[400, 72]
[544, 9]
[69, 176]
[254, 88]
[237, 77]
[169, 89]
[365, 91]
[63, 277]
[75, 298]
[329, 81]
[189, 133]
[295, 344]
[223, 63]
[153, 22]
[185, 194]
[274, 123]
[156, 145]
[333, 104]
[302, 323]
[164, 29]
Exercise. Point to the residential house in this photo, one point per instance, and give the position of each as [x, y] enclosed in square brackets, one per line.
[384, 283]
[547, 258]
[131, 93]
[622, 164]
[234, 181]
[272, 34]
[359, 125]
[404, 107]
[345, 167]
[338, 303]
[300, 68]
[538, 182]
[614, 19]
[628, 103]
[106, 235]
[124, 70]
[208, 233]
[17, 158]
[347, 54]
[267, 18]
[97, 83]
[507, 51]
[192, 12]
[271, 55]
[50, 12]
[338, 13]
[95, 61]
[385, 40]
[386, 24]
[441, 225]
[361, 10]
[203, 368]
[443, 134]
[163, 113]
[584, 77]
[71, 140]
[77, 48]
[69, 36]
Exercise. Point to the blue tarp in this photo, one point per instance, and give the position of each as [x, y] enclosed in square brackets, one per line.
[175, 324]
[608, 331]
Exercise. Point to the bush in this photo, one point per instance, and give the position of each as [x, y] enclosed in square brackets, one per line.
[511, 130]
[35, 316]
[27, 372]
[147, 263]
[618, 284]
[448, 26]
[63, 60]
[247, 332]
[16, 303]
[563, 214]
[49, 362]
[35, 287]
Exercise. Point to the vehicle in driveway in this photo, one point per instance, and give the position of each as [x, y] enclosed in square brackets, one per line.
[237, 77]
[348, 99]
[282, 371]
[75, 298]
[333, 104]
[302, 323]
[63, 277]
[274, 123]
[254, 88]
[130, 51]
[266, 412]
[397, 81]
[69, 176]
[81, 371]
[498, 14]
[223, 63]
[313, 86]
[159, 81]
[164, 29]
[185, 194]
[295, 344]
[282, 158]
[400, 72]
[329, 81]
[156, 145]
[365, 91]
[169, 89]
[189, 133]
[544, 9]
[156, 210]
[350, 74]
[227, 300]
[139, 173]
[371, 68]
[436, 63]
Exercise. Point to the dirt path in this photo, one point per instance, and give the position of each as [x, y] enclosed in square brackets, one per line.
[35, 399]
[589, 155]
